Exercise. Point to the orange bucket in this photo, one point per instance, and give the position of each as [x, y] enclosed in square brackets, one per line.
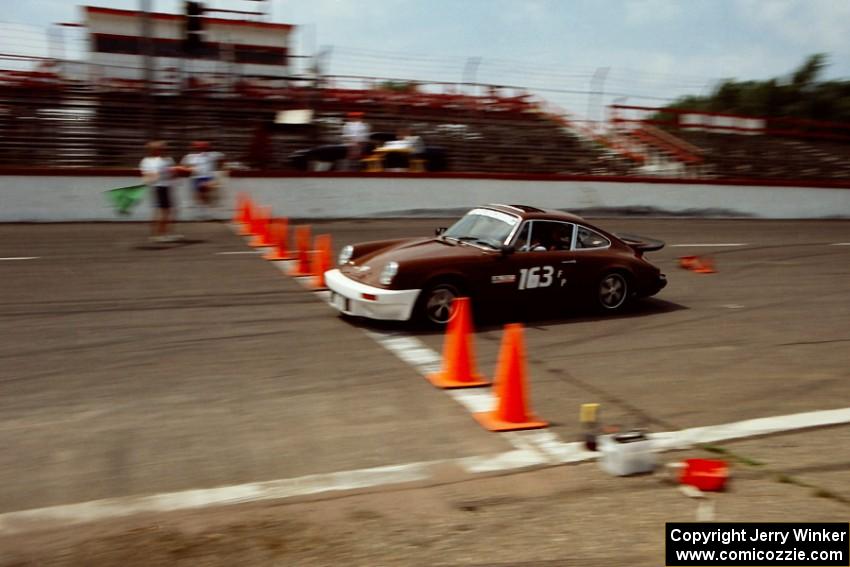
[709, 475]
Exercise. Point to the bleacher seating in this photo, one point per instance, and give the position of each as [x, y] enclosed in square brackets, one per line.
[769, 157]
[107, 124]
[47, 122]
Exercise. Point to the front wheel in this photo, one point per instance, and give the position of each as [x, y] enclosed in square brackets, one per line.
[612, 292]
[435, 304]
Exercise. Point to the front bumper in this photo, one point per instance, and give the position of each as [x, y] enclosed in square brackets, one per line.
[347, 296]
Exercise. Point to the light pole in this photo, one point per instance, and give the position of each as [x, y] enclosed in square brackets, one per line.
[147, 65]
[470, 70]
[597, 90]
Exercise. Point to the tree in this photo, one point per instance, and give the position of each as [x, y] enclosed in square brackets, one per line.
[799, 95]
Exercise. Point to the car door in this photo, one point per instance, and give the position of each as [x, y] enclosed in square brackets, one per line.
[593, 258]
[540, 270]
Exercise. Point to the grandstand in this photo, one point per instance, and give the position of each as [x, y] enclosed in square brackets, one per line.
[48, 121]
[724, 146]
[229, 89]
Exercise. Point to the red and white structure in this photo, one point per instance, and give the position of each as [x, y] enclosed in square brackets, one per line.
[232, 47]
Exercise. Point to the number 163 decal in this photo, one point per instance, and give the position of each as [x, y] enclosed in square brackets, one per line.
[539, 276]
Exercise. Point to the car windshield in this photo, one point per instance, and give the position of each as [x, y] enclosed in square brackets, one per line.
[483, 226]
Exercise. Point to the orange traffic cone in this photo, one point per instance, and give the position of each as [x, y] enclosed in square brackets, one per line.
[458, 352]
[512, 412]
[697, 264]
[280, 240]
[302, 254]
[262, 238]
[688, 262]
[248, 222]
[706, 266]
[321, 261]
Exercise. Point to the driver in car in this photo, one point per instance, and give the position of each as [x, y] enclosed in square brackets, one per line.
[558, 237]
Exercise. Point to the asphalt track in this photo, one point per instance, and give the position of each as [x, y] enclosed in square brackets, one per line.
[131, 370]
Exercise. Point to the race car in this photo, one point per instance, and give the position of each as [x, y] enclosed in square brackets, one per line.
[497, 255]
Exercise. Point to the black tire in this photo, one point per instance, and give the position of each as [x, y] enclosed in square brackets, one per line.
[612, 292]
[434, 305]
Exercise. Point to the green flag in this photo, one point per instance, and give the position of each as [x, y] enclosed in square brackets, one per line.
[123, 199]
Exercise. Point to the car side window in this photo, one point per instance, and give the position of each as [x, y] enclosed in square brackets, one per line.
[546, 236]
[588, 239]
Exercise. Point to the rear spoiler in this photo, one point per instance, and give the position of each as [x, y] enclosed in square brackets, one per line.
[641, 243]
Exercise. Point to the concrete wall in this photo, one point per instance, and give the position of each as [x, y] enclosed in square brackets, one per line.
[62, 198]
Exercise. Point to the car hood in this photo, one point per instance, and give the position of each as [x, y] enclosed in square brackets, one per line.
[420, 251]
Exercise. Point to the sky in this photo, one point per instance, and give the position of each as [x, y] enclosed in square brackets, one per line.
[643, 52]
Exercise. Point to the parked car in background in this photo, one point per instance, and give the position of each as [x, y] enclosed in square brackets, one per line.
[330, 157]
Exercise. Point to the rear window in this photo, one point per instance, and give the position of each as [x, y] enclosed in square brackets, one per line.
[589, 239]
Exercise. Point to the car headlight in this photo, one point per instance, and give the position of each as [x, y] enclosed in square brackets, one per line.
[388, 273]
[345, 254]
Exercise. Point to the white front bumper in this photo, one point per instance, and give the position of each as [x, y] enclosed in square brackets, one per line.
[389, 304]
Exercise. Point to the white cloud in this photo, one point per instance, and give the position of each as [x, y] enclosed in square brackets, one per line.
[820, 25]
[22, 39]
[642, 12]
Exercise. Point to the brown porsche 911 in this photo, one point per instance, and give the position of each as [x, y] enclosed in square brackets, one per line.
[497, 255]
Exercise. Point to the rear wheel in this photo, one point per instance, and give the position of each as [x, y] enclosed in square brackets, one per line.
[435, 304]
[612, 291]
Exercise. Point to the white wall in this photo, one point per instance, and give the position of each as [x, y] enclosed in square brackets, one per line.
[28, 198]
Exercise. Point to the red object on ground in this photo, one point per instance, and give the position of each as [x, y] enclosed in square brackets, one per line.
[697, 264]
[708, 475]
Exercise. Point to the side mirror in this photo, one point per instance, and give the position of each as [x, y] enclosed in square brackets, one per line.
[507, 249]
[439, 230]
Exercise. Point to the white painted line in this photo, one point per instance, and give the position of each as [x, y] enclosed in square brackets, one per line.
[516, 459]
[750, 428]
[712, 245]
[476, 400]
[240, 252]
[537, 449]
[17, 522]
[284, 266]
[409, 349]
[841, 244]
[16, 258]
[558, 451]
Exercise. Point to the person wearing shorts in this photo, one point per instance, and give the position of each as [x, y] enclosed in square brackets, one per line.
[203, 164]
[158, 173]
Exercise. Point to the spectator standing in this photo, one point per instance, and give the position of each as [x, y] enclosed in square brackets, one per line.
[203, 164]
[355, 135]
[158, 173]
